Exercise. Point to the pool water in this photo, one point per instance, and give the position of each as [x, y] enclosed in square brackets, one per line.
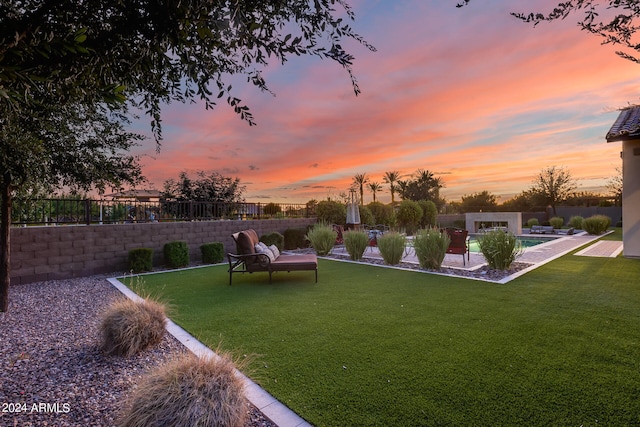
[526, 242]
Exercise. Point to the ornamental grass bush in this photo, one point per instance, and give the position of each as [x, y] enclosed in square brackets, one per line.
[356, 242]
[188, 392]
[392, 246]
[532, 221]
[322, 238]
[431, 246]
[596, 224]
[557, 222]
[128, 326]
[576, 222]
[499, 248]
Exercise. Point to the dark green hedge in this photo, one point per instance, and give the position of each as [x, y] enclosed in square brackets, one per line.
[176, 254]
[212, 253]
[140, 260]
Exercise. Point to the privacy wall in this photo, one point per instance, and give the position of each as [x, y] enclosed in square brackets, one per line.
[62, 252]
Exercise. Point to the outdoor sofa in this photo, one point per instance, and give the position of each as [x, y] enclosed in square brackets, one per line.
[251, 257]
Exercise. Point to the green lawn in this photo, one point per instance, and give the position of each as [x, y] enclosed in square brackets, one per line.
[373, 346]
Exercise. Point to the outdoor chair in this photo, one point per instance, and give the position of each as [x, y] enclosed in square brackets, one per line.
[340, 233]
[458, 243]
[249, 260]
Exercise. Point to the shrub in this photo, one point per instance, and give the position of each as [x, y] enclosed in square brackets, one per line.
[556, 222]
[500, 249]
[366, 217]
[322, 238]
[272, 209]
[596, 224]
[409, 215]
[331, 212]
[532, 221]
[129, 327]
[392, 246]
[576, 222]
[382, 214]
[431, 246]
[140, 259]
[176, 254]
[294, 238]
[356, 243]
[212, 253]
[273, 238]
[188, 392]
[429, 213]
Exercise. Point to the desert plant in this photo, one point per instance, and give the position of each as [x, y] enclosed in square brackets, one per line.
[140, 259]
[322, 238]
[532, 221]
[431, 246]
[273, 238]
[129, 327]
[596, 224]
[557, 222]
[188, 392]
[392, 246]
[409, 215]
[212, 253]
[356, 243]
[176, 254]
[294, 238]
[576, 222]
[499, 248]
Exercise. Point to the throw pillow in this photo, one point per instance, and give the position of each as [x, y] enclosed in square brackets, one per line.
[275, 250]
[261, 248]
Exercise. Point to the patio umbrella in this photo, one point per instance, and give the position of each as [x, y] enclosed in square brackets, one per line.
[353, 212]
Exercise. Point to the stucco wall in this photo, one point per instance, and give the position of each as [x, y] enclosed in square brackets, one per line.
[631, 198]
[49, 253]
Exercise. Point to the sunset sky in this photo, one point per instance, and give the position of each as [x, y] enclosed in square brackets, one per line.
[477, 97]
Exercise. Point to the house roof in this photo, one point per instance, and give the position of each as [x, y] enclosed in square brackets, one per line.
[627, 126]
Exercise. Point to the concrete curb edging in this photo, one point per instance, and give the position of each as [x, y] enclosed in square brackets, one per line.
[267, 404]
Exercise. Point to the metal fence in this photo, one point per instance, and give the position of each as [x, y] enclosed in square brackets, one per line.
[89, 211]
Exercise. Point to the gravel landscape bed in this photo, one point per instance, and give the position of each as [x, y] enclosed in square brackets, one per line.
[52, 371]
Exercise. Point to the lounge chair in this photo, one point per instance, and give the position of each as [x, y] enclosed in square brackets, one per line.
[542, 229]
[458, 243]
[567, 232]
[248, 260]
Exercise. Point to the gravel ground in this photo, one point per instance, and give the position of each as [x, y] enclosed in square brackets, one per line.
[52, 372]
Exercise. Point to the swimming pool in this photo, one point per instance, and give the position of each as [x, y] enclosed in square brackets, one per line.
[526, 242]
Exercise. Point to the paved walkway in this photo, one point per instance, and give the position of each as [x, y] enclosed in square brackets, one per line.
[603, 248]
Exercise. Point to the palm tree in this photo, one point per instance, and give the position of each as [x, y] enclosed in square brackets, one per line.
[391, 178]
[359, 180]
[375, 187]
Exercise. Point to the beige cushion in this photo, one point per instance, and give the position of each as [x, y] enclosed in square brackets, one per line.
[275, 250]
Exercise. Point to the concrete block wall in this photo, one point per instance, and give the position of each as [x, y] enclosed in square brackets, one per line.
[62, 252]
